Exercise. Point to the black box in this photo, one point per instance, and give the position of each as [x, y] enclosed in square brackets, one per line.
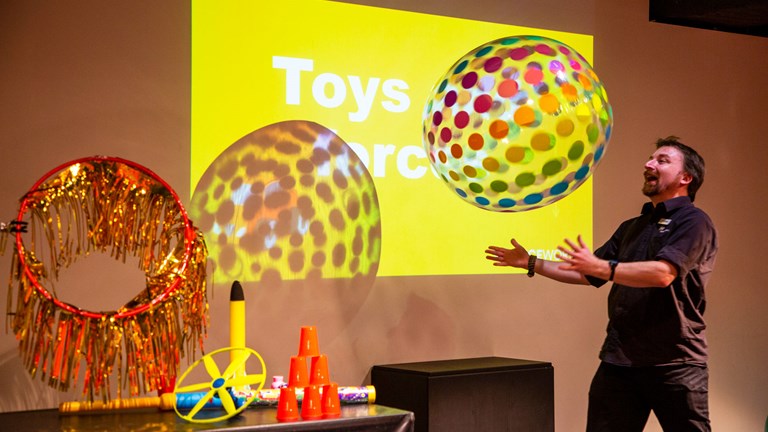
[476, 394]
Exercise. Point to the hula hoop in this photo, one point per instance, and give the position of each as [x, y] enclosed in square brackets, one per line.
[188, 238]
[94, 204]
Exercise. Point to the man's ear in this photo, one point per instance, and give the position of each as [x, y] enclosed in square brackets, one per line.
[687, 178]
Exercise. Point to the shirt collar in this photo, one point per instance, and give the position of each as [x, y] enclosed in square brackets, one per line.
[667, 206]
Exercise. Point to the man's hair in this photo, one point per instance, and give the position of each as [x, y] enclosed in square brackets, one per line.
[693, 163]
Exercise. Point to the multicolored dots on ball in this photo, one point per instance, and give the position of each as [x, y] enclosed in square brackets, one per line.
[517, 123]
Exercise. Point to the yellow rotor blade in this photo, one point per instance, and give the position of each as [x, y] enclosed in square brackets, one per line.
[211, 367]
[244, 380]
[193, 388]
[236, 364]
[226, 401]
[200, 404]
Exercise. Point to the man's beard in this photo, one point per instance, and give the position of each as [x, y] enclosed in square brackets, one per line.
[651, 190]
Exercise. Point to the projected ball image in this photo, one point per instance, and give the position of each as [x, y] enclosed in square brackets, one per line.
[517, 123]
[289, 201]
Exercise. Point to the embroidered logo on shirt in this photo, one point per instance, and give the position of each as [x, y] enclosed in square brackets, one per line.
[663, 225]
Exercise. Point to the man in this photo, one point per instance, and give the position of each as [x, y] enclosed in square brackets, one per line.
[654, 357]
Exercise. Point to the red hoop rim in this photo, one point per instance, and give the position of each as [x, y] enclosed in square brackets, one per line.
[189, 235]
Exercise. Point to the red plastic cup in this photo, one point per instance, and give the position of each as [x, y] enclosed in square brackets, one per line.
[298, 376]
[331, 405]
[308, 346]
[318, 374]
[310, 405]
[287, 406]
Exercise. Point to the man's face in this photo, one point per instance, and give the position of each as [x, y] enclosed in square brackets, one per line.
[664, 175]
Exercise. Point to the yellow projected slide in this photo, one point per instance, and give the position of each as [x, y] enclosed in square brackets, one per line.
[279, 87]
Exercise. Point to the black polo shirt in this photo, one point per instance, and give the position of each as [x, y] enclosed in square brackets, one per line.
[660, 325]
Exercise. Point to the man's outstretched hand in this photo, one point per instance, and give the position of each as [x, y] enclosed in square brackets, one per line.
[515, 257]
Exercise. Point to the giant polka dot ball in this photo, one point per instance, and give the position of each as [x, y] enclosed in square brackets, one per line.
[517, 124]
[290, 201]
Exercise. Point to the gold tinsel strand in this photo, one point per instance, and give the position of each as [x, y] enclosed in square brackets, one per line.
[108, 206]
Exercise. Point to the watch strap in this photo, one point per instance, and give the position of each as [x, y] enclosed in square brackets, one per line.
[531, 265]
[612, 264]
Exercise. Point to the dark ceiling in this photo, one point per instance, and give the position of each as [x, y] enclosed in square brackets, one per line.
[748, 17]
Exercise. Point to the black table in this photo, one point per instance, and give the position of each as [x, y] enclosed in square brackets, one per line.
[357, 418]
[473, 394]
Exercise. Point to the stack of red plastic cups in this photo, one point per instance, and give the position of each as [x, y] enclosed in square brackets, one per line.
[320, 395]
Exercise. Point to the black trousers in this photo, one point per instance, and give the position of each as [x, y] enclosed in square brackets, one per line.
[621, 398]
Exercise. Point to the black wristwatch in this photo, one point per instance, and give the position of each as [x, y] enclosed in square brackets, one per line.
[613, 264]
[531, 265]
